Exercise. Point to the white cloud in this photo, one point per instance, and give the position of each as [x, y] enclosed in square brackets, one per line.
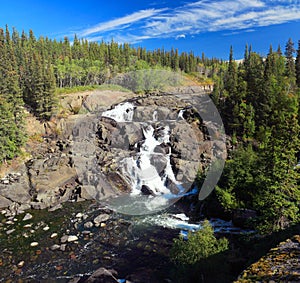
[180, 36]
[120, 22]
[230, 16]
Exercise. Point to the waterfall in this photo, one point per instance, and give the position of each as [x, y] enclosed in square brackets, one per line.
[149, 171]
[122, 112]
[142, 172]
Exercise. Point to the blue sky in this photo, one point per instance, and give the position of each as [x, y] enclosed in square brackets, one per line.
[202, 26]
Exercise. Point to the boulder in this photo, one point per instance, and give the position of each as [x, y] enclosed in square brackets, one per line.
[101, 218]
[4, 202]
[147, 191]
[103, 275]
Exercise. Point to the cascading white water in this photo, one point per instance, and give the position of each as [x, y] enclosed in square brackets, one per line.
[139, 170]
[142, 172]
[180, 114]
[122, 112]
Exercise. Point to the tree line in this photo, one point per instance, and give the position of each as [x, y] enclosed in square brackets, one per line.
[31, 69]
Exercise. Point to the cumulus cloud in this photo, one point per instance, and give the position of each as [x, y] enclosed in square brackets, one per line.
[180, 36]
[194, 18]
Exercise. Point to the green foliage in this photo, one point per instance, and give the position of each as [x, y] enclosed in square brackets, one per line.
[200, 245]
[142, 81]
[12, 134]
[261, 112]
[297, 65]
[238, 185]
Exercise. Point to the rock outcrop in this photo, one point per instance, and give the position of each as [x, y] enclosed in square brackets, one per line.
[53, 174]
[281, 264]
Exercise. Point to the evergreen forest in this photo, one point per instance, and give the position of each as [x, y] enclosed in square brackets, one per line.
[258, 99]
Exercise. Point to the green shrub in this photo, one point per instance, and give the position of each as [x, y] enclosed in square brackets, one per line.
[199, 245]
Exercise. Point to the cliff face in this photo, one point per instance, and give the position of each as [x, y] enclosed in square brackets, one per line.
[281, 264]
[50, 178]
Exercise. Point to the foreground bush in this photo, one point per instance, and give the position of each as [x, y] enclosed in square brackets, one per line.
[199, 245]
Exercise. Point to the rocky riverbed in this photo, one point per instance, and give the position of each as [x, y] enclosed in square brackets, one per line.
[76, 240]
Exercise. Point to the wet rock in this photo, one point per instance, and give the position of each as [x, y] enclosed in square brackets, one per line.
[88, 224]
[103, 275]
[147, 191]
[55, 247]
[72, 238]
[79, 215]
[10, 231]
[53, 235]
[64, 239]
[101, 218]
[27, 216]
[28, 225]
[21, 264]
[63, 247]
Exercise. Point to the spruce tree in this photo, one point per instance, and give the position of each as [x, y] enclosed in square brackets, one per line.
[290, 63]
[297, 67]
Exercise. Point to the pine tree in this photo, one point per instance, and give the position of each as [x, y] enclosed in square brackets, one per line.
[49, 99]
[290, 63]
[297, 67]
[11, 111]
[232, 100]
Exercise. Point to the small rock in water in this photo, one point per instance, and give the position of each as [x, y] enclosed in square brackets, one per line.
[101, 218]
[21, 264]
[28, 225]
[72, 238]
[55, 247]
[53, 235]
[46, 228]
[88, 224]
[34, 244]
[63, 247]
[10, 231]
[27, 216]
[9, 222]
[79, 215]
[64, 238]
